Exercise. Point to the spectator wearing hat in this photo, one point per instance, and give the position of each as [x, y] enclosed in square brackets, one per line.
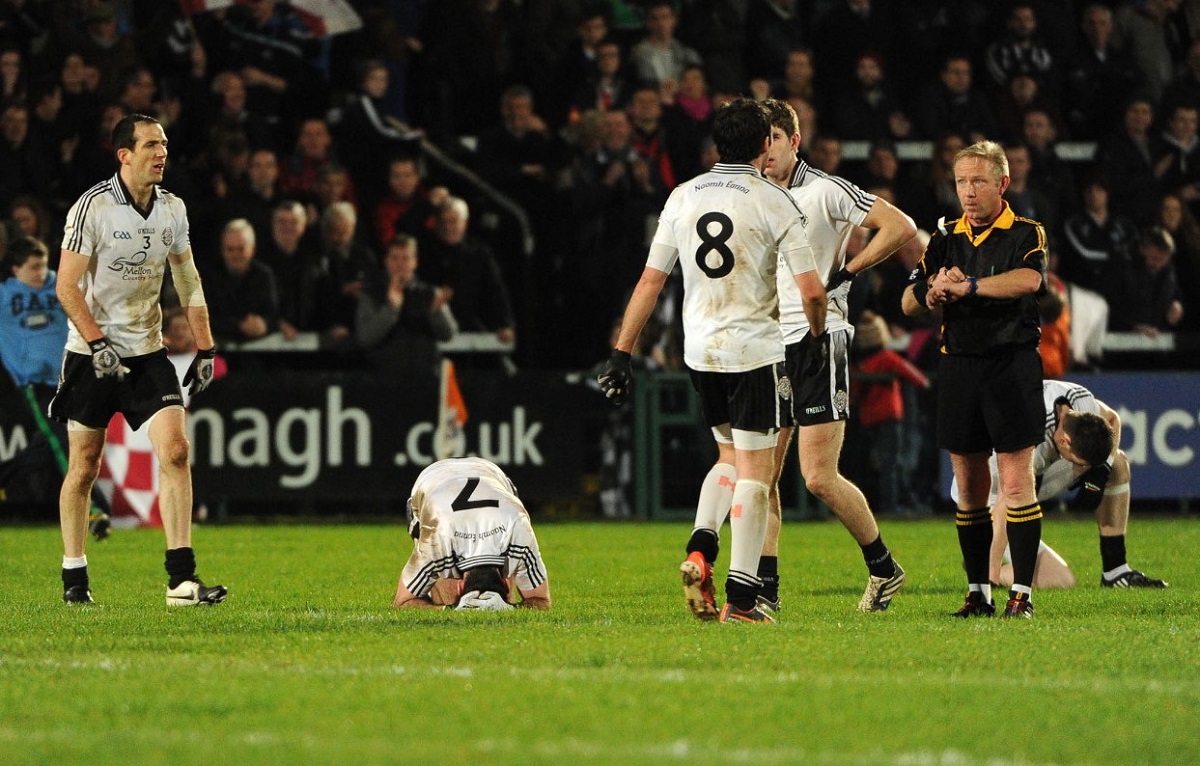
[1148, 297]
[880, 409]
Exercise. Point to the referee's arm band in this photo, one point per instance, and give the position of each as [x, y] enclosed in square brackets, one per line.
[920, 291]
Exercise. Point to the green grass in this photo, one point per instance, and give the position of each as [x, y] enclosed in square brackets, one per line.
[306, 663]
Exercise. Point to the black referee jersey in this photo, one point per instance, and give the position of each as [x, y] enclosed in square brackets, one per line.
[978, 326]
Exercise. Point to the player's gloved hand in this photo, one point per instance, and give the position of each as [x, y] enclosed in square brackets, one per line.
[837, 279]
[105, 360]
[616, 379]
[816, 353]
[1091, 487]
[200, 372]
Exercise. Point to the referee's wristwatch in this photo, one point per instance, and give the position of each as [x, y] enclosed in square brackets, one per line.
[974, 283]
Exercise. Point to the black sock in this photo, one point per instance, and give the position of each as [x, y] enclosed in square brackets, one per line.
[705, 541]
[1112, 552]
[73, 577]
[768, 572]
[1024, 536]
[878, 558]
[181, 566]
[739, 594]
[975, 542]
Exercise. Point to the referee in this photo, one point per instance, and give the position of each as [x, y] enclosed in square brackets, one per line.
[118, 240]
[986, 270]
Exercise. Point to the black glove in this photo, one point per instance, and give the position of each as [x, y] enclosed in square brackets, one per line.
[837, 279]
[616, 379]
[816, 353]
[105, 360]
[200, 372]
[1091, 487]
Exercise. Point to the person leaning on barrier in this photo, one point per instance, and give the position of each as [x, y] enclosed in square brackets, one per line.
[471, 534]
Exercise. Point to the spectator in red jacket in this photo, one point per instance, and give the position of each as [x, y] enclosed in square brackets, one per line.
[880, 407]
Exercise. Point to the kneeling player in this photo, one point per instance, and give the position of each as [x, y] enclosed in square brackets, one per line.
[470, 533]
[1081, 450]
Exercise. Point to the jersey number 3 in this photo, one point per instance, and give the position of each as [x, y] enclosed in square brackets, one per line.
[714, 243]
[464, 502]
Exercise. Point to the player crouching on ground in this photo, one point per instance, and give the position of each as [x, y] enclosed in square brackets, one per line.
[1081, 451]
[471, 534]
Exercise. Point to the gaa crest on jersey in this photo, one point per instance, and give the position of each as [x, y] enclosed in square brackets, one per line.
[840, 400]
[168, 236]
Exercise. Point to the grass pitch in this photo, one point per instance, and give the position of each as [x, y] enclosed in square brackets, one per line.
[306, 663]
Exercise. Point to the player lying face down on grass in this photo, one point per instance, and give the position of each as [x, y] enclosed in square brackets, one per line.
[472, 540]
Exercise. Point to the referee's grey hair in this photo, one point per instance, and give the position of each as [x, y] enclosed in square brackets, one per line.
[989, 151]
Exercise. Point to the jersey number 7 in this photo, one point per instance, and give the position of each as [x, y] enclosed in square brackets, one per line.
[464, 502]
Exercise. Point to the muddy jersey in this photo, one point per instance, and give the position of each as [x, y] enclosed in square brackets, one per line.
[470, 517]
[128, 259]
[730, 229]
[833, 207]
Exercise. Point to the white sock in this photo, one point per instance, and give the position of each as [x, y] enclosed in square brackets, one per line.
[716, 495]
[1112, 574]
[1022, 589]
[984, 589]
[70, 563]
[748, 521]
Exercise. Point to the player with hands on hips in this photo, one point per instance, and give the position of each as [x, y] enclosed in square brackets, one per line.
[471, 537]
[817, 361]
[118, 240]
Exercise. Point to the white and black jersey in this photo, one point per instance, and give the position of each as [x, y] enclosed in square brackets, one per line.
[730, 229]
[128, 253]
[470, 516]
[833, 207]
[1079, 398]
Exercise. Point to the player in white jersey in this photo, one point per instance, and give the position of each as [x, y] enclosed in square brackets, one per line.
[1082, 450]
[729, 229]
[819, 366]
[470, 531]
[118, 240]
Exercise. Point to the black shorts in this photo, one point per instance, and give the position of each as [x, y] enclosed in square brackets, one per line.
[990, 403]
[150, 385]
[819, 369]
[748, 401]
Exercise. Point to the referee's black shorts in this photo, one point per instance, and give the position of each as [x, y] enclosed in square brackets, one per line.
[757, 400]
[990, 403]
[150, 385]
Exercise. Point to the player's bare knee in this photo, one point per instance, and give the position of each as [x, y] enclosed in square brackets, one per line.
[175, 454]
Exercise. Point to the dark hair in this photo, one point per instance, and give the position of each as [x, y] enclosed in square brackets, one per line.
[1091, 436]
[122, 133]
[485, 579]
[740, 129]
[21, 250]
[781, 115]
[404, 240]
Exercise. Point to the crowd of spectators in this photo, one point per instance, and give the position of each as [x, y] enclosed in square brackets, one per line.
[450, 124]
